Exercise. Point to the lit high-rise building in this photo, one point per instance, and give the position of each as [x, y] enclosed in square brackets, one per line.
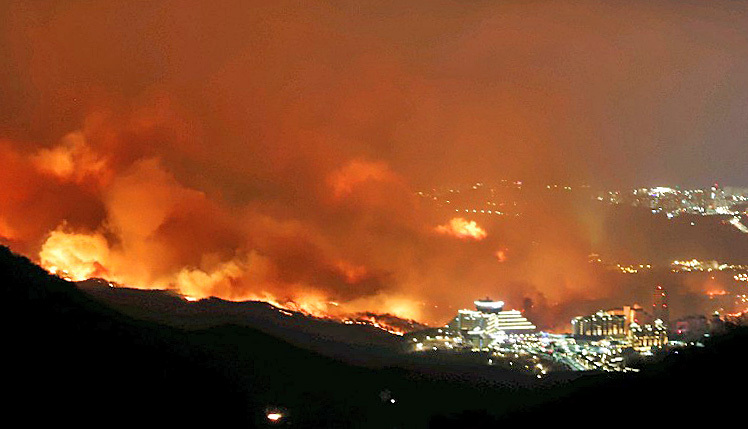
[647, 336]
[490, 316]
[609, 323]
[623, 324]
[490, 322]
[600, 324]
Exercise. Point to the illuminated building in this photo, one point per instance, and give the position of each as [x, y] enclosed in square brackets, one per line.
[491, 317]
[610, 323]
[490, 322]
[644, 337]
[600, 324]
[623, 324]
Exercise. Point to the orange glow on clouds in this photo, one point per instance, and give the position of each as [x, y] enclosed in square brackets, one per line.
[6, 231]
[353, 273]
[265, 157]
[463, 229]
[356, 173]
[72, 160]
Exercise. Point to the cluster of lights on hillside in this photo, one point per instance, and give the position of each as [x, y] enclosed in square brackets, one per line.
[705, 266]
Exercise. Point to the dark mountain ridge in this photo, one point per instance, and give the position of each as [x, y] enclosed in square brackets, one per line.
[356, 343]
[74, 360]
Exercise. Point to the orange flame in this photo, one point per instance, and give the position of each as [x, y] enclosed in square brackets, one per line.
[80, 256]
[74, 256]
[375, 322]
[463, 229]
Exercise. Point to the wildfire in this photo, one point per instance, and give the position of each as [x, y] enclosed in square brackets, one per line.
[312, 308]
[80, 256]
[463, 229]
[146, 229]
[386, 322]
[375, 324]
[74, 256]
[373, 321]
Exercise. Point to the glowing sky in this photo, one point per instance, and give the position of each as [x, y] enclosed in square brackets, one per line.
[271, 149]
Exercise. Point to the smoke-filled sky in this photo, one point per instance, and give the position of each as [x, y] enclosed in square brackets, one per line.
[271, 149]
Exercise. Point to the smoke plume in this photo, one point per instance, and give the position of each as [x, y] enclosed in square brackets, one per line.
[273, 150]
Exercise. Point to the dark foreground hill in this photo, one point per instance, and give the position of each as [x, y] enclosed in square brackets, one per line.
[355, 343]
[70, 359]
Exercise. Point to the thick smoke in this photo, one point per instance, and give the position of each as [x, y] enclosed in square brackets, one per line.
[273, 150]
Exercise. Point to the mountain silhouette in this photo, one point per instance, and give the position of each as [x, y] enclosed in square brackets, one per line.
[71, 358]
